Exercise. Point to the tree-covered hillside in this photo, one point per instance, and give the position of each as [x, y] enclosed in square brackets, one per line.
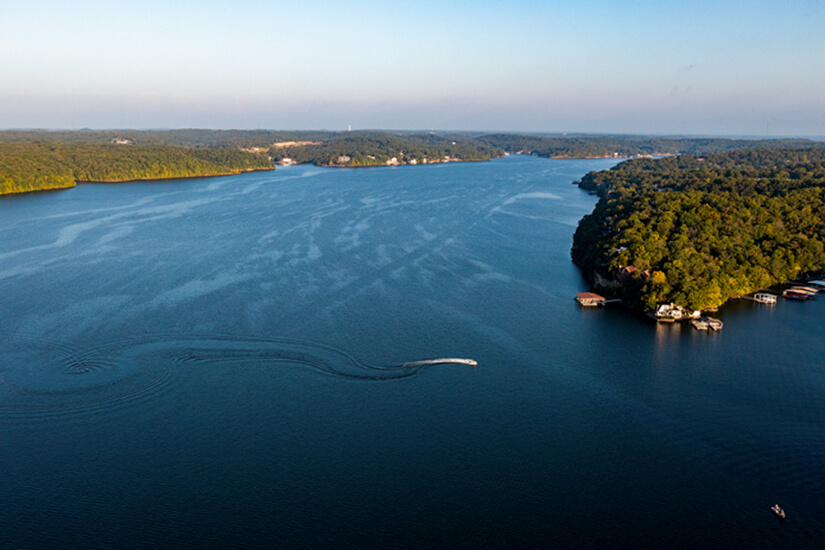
[41, 165]
[189, 138]
[700, 230]
[40, 159]
[380, 149]
[628, 146]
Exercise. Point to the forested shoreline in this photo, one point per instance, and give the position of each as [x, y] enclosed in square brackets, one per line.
[47, 165]
[37, 160]
[629, 146]
[386, 149]
[33, 160]
[699, 230]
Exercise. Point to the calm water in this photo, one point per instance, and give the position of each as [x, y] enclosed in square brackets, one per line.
[215, 363]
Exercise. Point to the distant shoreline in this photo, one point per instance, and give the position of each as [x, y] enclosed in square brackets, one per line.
[174, 178]
[395, 164]
[49, 160]
[139, 180]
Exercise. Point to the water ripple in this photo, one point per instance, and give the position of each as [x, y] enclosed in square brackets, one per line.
[48, 378]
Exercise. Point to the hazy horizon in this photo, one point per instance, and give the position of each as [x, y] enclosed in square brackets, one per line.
[432, 130]
[592, 67]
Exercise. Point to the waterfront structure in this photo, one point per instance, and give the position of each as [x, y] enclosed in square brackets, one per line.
[589, 299]
[764, 298]
[796, 295]
[671, 312]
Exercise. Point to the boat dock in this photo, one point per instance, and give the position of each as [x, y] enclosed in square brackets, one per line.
[797, 293]
[764, 297]
[590, 299]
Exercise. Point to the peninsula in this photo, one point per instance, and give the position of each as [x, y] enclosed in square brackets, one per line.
[46, 165]
[383, 149]
[699, 230]
[41, 160]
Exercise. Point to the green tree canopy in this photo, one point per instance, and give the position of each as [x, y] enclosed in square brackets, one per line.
[702, 229]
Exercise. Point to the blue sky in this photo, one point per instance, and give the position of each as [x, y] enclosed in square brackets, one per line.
[666, 67]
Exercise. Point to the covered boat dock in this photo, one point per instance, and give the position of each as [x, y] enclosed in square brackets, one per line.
[590, 299]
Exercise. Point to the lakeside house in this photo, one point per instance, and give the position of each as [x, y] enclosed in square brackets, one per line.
[627, 272]
[671, 312]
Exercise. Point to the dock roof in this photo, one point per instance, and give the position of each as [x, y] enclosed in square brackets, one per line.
[589, 296]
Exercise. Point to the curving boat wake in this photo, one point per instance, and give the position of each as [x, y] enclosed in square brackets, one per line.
[44, 377]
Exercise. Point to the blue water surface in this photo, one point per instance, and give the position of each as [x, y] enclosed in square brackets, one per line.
[218, 363]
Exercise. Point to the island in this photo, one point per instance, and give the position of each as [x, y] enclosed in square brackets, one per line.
[694, 231]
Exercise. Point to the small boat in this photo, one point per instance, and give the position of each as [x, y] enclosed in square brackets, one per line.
[778, 511]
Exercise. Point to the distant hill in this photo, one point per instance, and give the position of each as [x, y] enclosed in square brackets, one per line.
[628, 146]
[32, 160]
[383, 149]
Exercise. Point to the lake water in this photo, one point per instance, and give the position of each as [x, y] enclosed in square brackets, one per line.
[216, 363]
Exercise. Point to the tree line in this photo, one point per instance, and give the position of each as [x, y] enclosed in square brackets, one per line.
[40, 159]
[379, 149]
[627, 146]
[42, 165]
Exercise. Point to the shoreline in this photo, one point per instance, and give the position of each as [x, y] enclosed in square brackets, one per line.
[173, 178]
[138, 180]
[385, 165]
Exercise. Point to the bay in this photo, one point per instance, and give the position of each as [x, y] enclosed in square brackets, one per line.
[218, 363]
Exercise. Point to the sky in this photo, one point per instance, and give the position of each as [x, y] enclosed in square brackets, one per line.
[698, 67]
